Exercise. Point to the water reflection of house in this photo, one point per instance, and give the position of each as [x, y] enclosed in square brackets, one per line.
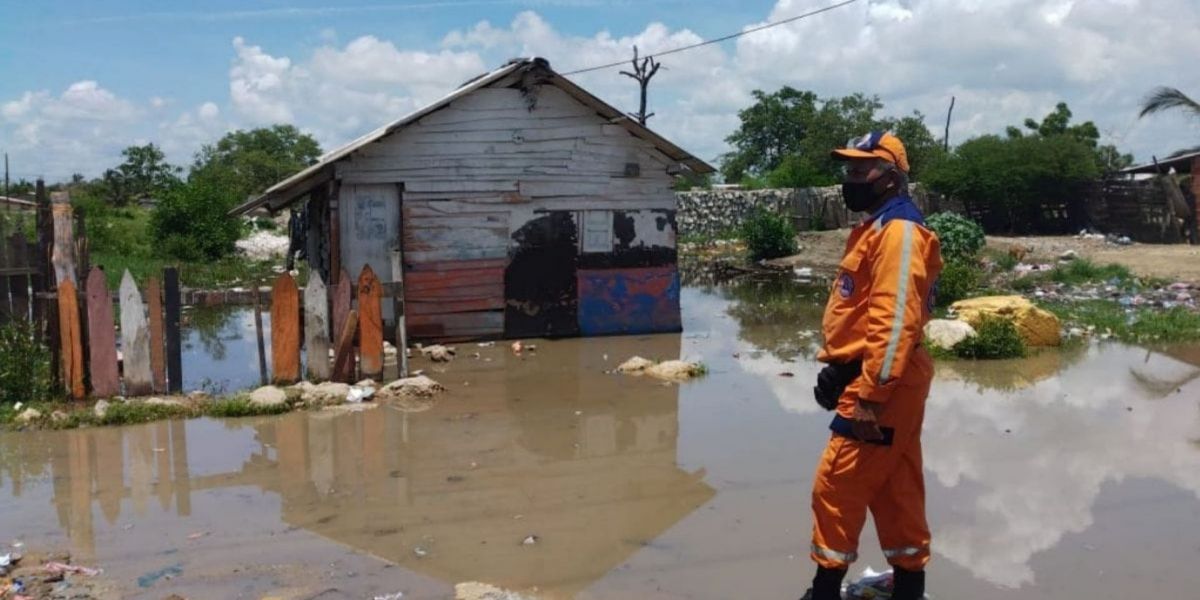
[529, 448]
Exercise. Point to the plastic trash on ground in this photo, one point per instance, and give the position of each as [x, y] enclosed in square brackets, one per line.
[871, 585]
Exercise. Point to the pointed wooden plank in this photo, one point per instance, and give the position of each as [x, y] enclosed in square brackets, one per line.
[343, 355]
[370, 324]
[70, 339]
[341, 303]
[285, 330]
[316, 328]
[172, 316]
[158, 359]
[135, 340]
[102, 343]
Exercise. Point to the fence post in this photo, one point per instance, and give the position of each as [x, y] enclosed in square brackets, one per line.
[46, 299]
[258, 334]
[174, 342]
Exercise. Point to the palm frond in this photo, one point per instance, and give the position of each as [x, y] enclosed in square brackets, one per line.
[1168, 98]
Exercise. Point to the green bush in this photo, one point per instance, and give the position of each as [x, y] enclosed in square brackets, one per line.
[961, 238]
[1085, 271]
[190, 222]
[994, 338]
[959, 278]
[24, 365]
[768, 235]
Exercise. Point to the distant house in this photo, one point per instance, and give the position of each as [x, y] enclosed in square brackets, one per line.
[21, 204]
[520, 205]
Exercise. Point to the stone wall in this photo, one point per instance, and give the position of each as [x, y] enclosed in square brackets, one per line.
[717, 212]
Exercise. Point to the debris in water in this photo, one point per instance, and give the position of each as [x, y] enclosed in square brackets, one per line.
[671, 370]
[60, 567]
[530, 540]
[420, 552]
[153, 577]
[438, 353]
[473, 590]
[198, 535]
[516, 347]
[787, 374]
[392, 596]
[871, 585]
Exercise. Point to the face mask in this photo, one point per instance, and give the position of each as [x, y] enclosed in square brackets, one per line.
[858, 196]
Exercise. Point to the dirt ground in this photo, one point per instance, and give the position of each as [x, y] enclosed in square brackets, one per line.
[822, 250]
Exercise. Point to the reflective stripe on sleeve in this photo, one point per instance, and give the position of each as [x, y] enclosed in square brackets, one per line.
[901, 303]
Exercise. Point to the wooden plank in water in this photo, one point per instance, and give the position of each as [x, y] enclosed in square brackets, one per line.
[70, 340]
[285, 330]
[343, 355]
[102, 346]
[135, 340]
[158, 359]
[174, 342]
[370, 324]
[341, 303]
[316, 328]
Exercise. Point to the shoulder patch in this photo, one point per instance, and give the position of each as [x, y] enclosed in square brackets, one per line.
[845, 285]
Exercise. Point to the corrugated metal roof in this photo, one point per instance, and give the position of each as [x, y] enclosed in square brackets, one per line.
[289, 189]
[1181, 163]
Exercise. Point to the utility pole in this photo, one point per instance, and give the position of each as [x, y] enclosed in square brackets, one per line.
[5, 174]
[643, 71]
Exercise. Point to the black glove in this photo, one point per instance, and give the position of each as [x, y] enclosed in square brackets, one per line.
[832, 381]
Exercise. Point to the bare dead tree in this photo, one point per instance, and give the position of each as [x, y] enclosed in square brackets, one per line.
[643, 71]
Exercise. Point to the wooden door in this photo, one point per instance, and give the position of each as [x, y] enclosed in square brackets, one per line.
[369, 222]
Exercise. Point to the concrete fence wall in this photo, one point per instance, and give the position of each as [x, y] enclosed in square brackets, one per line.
[713, 212]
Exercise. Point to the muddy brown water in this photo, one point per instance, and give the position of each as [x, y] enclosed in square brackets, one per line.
[1072, 474]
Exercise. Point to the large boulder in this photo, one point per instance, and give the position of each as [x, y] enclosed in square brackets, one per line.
[329, 392]
[945, 333]
[1037, 327]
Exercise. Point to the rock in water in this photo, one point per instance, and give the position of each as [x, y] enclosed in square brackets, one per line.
[675, 370]
[945, 333]
[268, 395]
[1037, 327]
[28, 416]
[636, 364]
[438, 353]
[100, 409]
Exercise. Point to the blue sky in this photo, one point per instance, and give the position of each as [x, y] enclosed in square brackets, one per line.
[83, 79]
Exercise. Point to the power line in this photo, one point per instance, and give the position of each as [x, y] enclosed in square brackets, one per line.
[720, 39]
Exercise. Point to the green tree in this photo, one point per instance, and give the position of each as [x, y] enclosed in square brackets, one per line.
[251, 161]
[1164, 98]
[190, 221]
[785, 137]
[1107, 158]
[144, 173]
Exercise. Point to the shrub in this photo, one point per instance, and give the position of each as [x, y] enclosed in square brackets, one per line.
[961, 238]
[994, 338]
[24, 365]
[769, 235]
[1084, 271]
[959, 278]
[190, 222]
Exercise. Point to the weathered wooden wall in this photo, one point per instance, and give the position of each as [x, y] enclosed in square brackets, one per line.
[494, 194]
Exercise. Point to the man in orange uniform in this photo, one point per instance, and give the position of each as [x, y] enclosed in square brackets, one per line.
[877, 377]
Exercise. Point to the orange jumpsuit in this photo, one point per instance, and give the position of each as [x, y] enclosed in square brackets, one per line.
[880, 302]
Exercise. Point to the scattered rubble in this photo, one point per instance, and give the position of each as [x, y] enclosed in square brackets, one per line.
[945, 333]
[268, 395]
[263, 245]
[411, 394]
[474, 590]
[671, 370]
[438, 353]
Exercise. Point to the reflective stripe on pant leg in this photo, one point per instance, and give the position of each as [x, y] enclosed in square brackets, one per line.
[904, 551]
[828, 553]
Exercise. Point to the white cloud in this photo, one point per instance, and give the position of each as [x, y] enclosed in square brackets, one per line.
[1004, 60]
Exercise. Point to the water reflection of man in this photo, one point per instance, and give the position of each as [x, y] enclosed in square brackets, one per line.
[878, 376]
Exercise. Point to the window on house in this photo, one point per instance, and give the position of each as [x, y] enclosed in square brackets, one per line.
[597, 231]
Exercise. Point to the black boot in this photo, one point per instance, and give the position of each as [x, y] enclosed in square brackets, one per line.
[827, 585]
[908, 585]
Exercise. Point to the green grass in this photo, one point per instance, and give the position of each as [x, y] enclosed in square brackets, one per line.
[994, 338]
[1005, 261]
[132, 413]
[1081, 272]
[1135, 326]
[227, 272]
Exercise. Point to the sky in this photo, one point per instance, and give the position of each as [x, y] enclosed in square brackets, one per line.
[81, 80]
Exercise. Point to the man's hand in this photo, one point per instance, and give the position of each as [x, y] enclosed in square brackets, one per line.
[865, 420]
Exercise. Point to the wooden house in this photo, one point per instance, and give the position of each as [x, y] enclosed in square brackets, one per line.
[520, 205]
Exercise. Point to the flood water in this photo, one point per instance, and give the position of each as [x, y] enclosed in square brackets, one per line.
[1072, 474]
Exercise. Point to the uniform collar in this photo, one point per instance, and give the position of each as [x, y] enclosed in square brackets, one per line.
[898, 207]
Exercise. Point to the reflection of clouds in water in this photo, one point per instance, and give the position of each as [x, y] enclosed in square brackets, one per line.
[1069, 436]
